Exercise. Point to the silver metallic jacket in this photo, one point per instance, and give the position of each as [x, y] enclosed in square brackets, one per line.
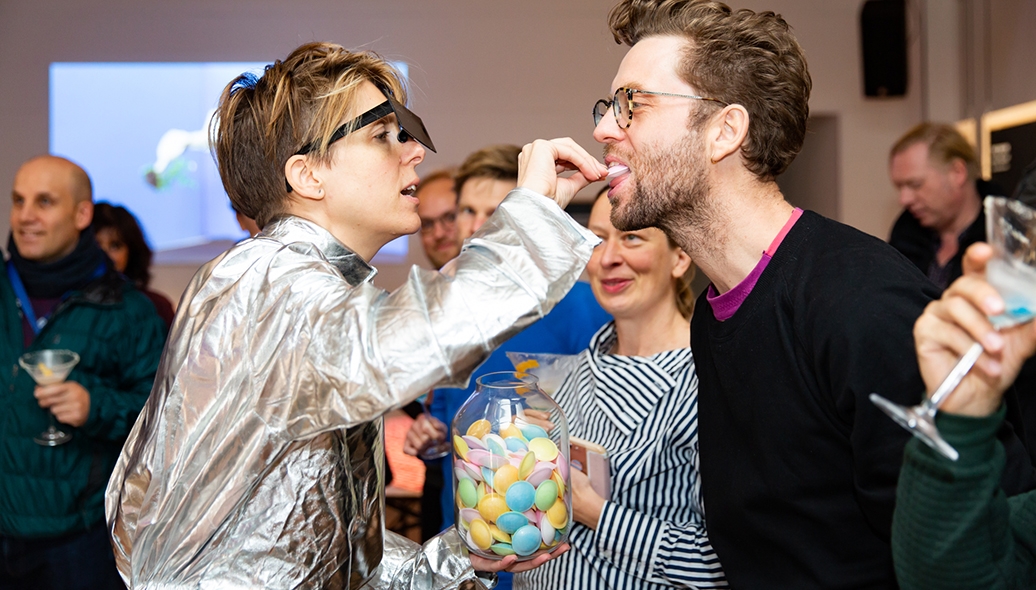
[257, 461]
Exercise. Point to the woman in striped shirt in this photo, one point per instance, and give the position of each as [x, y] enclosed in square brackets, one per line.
[635, 393]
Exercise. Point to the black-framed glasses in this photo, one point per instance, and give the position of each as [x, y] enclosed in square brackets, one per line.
[622, 105]
[410, 126]
[448, 220]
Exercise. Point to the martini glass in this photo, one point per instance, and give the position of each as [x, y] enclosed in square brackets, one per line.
[436, 449]
[549, 370]
[47, 367]
[1011, 231]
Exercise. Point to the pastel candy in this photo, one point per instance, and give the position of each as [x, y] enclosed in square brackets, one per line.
[498, 534]
[510, 431]
[487, 476]
[526, 540]
[468, 514]
[556, 477]
[480, 534]
[481, 490]
[496, 445]
[505, 476]
[546, 495]
[458, 469]
[558, 514]
[491, 506]
[533, 516]
[547, 532]
[473, 471]
[460, 447]
[562, 466]
[531, 431]
[514, 443]
[486, 459]
[527, 465]
[544, 449]
[466, 492]
[478, 429]
[540, 473]
[520, 497]
[509, 522]
[473, 443]
[502, 549]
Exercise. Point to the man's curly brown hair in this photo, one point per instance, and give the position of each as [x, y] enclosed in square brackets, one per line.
[738, 57]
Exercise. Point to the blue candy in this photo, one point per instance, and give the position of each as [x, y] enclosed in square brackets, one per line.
[509, 522]
[526, 540]
[520, 496]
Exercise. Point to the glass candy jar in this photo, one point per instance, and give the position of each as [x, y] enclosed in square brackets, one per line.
[510, 469]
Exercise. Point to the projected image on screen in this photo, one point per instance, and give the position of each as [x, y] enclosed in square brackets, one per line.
[141, 131]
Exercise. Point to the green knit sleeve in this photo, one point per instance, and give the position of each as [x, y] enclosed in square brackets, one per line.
[953, 527]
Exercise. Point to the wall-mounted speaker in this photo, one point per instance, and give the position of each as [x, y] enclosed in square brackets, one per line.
[884, 41]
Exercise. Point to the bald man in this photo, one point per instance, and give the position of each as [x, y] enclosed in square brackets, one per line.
[60, 291]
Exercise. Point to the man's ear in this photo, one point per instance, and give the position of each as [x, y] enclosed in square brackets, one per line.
[958, 172]
[84, 214]
[727, 132]
[303, 177]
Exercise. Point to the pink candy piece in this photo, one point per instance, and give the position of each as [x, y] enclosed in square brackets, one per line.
[562, 466]
[533, 515]
[473, 471]
[540, 473]
[469, 514]
[474, 443]
[486, 459]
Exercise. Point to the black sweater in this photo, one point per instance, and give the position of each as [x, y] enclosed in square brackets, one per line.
[798, 466]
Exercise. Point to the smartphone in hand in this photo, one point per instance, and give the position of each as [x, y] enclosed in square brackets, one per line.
[592, 459]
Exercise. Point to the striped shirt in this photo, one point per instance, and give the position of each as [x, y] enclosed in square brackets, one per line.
[644, 411]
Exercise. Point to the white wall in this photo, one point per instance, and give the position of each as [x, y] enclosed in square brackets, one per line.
[483, 71]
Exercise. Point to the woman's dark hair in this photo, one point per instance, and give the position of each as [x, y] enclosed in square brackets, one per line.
[119, 219]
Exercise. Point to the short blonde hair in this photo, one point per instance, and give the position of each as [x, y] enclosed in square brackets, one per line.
[945, 144]
[499, 162]
[264, 120]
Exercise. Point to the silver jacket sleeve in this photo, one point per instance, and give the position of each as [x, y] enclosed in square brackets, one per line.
[257, 461]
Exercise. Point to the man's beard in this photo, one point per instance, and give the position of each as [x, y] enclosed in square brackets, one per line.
[670, 189]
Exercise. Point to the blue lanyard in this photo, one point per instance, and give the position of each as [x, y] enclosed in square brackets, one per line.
[26, 304]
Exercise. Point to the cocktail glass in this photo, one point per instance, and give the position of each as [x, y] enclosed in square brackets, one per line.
[435, 449]
[47, 367]
[1011, 231]
[550, 370]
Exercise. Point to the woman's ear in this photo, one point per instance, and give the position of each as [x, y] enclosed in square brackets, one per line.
[727, 132]
[683, 263]
[303, 177]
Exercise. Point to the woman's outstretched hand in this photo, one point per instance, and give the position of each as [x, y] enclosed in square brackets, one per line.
[542, 161]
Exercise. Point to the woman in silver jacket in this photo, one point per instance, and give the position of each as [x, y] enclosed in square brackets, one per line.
[258, 460]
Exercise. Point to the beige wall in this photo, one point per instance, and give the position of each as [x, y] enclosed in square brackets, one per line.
[483, 71]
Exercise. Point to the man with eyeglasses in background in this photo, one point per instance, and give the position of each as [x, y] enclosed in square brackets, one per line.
[437, 208]
[805, 317]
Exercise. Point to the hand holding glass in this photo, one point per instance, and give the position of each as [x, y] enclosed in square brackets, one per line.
[436, 449]
[1011, 231]
[47, 367]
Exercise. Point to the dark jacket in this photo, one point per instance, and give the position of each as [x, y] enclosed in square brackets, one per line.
[55, 491]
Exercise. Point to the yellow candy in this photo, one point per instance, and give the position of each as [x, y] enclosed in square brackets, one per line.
[498, 534]
[561, 483]
[44, 370]
[460, 447]
[528, 462]
[523, 367]
[479, 428]
[491, 506]
[544, 448]
[557, 515]
[511, 430]
[505, 476]
[481, 534]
